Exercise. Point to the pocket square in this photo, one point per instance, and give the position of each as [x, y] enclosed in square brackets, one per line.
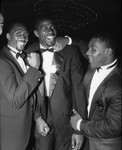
[99, 104]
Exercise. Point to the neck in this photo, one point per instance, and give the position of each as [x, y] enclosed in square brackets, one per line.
[46, 46]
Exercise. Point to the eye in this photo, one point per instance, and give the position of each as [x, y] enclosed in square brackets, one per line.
[93, 50]
[18, 33]
[44, 29]
[1, 24]
[21, 33]
[26, 34]
[53, 27]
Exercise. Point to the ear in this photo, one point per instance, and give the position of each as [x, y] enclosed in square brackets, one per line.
[8, 36]
[110, 51]
[36, 33]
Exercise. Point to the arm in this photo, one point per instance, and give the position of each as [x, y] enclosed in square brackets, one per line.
[39, 117]
[62, 42]
[16, 88]
[77, 75]
[83, 45]
[78, 94]
[108, 126]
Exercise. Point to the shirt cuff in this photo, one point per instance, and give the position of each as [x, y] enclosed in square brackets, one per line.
[70, 40]
[78, 124]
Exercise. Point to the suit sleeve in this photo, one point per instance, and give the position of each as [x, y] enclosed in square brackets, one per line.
[107, 125]
[17, 89]
[78, 91]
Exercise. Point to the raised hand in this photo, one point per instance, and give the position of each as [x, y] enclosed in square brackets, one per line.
[33, 60]
[61, 42]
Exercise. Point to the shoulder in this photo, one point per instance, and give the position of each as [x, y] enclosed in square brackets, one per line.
[72, 51]
[33, 47]
[114, 80]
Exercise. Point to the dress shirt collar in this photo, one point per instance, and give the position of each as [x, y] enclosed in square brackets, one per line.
[14, 49]
[45, 47]
[109, 65]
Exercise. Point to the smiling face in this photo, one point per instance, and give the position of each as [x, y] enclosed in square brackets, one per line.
[18, 37]
[46, 33]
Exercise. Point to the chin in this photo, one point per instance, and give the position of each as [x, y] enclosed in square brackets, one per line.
[50, 44]
[92, 65]
[20, 48]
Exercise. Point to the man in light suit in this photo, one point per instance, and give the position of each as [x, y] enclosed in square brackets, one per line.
[61, 93]
[17, 83]
[103, 126]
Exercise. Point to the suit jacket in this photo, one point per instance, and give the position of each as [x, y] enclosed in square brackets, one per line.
[103, 127]
[16, 102]
[67, 91]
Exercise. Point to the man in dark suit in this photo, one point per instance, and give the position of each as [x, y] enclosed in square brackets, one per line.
[103, 126]
[17, 83]
[62, 90]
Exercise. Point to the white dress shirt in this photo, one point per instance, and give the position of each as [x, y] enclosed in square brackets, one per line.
[98, 77]
[48, 67]
[19, 59]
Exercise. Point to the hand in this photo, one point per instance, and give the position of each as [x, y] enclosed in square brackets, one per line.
[33, 60]
[77, 141]
[74, 119]
[42, 127]
[61, 42]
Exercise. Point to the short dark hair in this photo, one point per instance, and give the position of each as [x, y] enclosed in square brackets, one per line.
[108, 38]
[14, 25]
[39, 20]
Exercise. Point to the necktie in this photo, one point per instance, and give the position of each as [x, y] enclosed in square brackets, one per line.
[49, 50]
[22, 55]
[21, 59]
[98, 69]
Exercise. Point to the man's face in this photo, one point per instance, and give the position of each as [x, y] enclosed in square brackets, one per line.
[46, 33]
[97, 53]
[1, 23]
[18, 37]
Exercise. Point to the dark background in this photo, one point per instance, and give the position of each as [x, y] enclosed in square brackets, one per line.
[108, 16]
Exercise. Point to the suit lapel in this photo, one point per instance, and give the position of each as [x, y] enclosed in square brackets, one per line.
[9, 56]
[57, 61]
[100, 90]
[87, 80]
[95, 98]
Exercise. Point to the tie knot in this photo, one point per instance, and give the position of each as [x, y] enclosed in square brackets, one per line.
[49, 50]
[98, 69]
[22, 55]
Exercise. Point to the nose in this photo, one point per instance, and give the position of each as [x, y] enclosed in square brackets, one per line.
[1, 25]
[88, 52]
